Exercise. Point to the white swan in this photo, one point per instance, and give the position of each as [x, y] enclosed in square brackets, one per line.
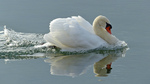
[75, 33]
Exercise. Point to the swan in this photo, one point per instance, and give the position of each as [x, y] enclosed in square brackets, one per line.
[75, 33]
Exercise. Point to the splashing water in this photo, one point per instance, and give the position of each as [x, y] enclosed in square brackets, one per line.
[17, 43]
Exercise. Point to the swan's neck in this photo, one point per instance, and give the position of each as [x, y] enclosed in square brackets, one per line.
[101, 32]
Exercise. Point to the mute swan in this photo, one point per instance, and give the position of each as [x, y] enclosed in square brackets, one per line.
[75, 33]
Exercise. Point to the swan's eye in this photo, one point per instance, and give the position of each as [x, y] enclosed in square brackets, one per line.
[108, 25]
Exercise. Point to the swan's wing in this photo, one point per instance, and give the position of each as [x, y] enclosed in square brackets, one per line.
[85, 24]
[73, 21]
[69, 33]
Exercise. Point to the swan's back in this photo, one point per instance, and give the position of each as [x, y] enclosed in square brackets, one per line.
[74, 21]
[73, 33]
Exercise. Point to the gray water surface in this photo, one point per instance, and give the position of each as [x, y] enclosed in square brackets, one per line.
[130, 22]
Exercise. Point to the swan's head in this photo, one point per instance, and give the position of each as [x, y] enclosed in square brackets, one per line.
[102, 22]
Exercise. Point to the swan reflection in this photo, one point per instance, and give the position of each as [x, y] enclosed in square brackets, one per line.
[103, 66]
[75, 65]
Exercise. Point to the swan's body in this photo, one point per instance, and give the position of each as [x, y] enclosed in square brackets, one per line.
[76, 33]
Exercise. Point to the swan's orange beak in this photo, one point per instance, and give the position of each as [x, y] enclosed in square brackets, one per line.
[108, 68]
[108, 28]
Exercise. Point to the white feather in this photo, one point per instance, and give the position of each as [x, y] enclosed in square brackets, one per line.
[73, 33]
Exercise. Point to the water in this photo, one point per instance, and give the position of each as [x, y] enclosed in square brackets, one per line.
[22, 63]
